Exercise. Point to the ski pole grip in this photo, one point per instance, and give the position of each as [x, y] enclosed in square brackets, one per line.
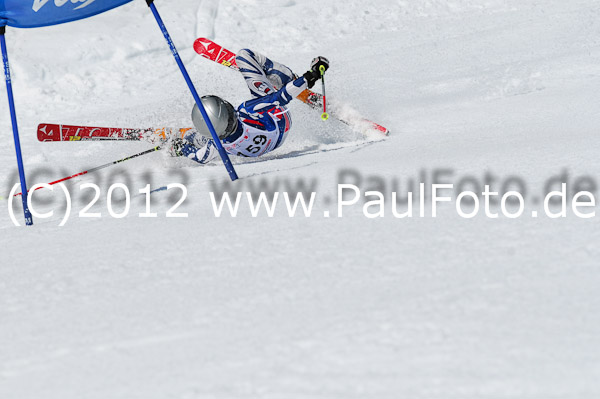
[322, 69]
[149, 2]
[2, 30]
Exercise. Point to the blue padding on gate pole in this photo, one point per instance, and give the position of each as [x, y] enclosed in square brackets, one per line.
[13, 118]
[224, 156]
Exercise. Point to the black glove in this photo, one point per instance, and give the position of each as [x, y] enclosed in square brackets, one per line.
[177, 147]
[315, 73]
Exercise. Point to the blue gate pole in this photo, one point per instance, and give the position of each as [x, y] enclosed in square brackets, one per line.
[13, 118]
[186, 76]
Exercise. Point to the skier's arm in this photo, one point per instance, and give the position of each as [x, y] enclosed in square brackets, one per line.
[292, 90]
[280, 97]
[295, 87]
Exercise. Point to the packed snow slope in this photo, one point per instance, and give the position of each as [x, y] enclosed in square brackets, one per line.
[206, 307]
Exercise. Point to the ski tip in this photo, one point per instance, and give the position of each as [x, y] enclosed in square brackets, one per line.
[199, 45]
[380, 129]
[202, 46]
[44, 132]
[384, 130]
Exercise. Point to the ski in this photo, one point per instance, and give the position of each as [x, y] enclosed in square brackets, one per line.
[54, 132]
[217, 53]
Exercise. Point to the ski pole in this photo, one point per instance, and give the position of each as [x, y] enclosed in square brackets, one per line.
[85, 172]
[324, 115]
[224, 157]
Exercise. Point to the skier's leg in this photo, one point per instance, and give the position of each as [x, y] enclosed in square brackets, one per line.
[278, 74]
[251, 69]
[262, 75]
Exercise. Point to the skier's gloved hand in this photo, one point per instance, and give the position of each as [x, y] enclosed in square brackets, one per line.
[315, 74]
[311, 78]
[176, 148]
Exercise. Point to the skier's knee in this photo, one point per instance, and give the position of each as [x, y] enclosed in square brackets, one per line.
[246, 53]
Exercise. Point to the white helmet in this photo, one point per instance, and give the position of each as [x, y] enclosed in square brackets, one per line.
[221, 114]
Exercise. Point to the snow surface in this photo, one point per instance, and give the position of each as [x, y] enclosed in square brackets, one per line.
[309, 308]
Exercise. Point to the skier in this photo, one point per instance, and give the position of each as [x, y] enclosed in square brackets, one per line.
[259, 125]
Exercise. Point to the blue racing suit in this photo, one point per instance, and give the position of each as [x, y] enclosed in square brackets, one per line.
[264, 121]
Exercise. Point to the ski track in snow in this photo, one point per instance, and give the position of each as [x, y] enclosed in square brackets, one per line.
[206, 18]
[281, 307]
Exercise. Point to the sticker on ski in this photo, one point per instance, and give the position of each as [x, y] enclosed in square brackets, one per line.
[47, 132]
